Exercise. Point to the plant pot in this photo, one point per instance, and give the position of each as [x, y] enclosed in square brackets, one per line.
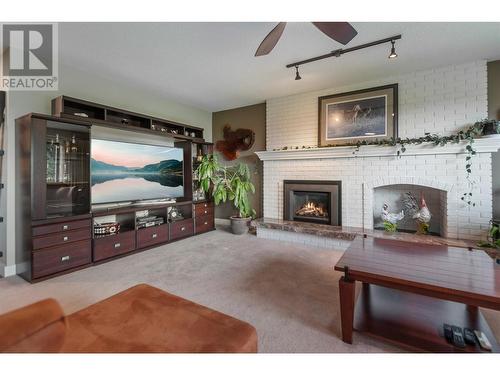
[239, 225]
[490, 128]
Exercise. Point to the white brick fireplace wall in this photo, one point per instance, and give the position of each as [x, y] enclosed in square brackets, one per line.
[439, 101]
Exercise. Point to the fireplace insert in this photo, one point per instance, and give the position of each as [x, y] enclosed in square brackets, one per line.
[312, 201]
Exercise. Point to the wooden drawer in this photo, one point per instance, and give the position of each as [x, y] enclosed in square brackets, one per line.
[204, 223]
[152, 235]
[181, 228]
[61, 258]
[201, 209]
[112, 245]
[43, 230]
[60, 238]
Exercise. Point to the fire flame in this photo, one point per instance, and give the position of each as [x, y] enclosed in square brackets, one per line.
[311, 209]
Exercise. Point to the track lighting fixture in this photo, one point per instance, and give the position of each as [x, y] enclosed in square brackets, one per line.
[340, 52]
[393, 54]
[297, 75]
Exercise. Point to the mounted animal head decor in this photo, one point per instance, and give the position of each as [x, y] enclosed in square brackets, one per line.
[234, 142]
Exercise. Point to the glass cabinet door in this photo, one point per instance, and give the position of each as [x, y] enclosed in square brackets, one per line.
[68, 169]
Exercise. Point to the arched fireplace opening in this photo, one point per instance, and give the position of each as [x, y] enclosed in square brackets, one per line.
[406, 200]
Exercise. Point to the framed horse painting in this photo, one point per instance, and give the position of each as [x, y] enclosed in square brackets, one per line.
[362, 115]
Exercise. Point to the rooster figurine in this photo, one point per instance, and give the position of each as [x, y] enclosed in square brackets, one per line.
[390, 219]
[423, 216]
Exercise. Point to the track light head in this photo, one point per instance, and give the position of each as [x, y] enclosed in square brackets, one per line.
[393, 54]
[297, 75]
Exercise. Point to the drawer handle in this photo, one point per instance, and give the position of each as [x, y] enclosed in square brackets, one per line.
[154, 235]
[206, 211]
[205, 205]
[117, 245]
[206, 223]
[65, 227]
[183, 228]
[65, 258]
[65, 238]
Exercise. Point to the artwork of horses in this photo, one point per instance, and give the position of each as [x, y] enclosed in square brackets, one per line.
[368, 114]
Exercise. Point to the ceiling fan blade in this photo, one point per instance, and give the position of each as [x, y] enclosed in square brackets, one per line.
[342, 32]
[270, 40]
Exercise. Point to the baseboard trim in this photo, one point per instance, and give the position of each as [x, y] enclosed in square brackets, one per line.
[304, 239]
[6, 271]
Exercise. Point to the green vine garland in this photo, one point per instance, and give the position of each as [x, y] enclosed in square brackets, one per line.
[463, 135]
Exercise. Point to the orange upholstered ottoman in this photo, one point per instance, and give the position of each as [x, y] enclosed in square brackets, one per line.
[142, 319]
[146, 319]
[37, 328]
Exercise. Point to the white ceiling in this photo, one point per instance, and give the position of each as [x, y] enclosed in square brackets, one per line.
[212, 65]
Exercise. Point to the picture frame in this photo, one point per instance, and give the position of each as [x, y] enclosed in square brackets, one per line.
[363, 115]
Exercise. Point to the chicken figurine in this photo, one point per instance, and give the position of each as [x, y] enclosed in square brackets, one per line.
[423, 217]
[390, 219]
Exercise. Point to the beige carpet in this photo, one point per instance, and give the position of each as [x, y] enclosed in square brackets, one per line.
[287, 291]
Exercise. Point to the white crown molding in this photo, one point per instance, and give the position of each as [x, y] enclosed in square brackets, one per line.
[481, 145]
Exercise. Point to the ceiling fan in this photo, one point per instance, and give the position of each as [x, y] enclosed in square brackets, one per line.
[341, 32]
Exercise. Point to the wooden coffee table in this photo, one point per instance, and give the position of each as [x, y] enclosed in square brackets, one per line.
[411, 289]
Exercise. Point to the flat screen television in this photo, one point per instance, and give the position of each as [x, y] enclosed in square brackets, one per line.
[122, 172]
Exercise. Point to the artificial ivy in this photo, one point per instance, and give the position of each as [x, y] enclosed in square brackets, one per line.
[463, 135]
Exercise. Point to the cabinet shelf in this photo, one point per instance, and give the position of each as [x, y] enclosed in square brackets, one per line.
[102, 115]
[122, 230]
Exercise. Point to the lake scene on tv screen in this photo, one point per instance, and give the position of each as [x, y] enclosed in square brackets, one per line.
[129, 172]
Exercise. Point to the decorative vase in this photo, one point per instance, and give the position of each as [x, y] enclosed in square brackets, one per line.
[491, 128]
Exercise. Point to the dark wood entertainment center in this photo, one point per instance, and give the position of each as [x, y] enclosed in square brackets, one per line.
[55, 218]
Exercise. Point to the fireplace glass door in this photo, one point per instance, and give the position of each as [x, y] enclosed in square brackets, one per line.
[316, 202]
[311, 206]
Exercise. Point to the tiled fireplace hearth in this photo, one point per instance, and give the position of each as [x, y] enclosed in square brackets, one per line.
[375, 173]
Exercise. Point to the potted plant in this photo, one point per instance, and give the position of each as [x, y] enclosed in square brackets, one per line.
[489, 127]
[493, 240]
[228, 182]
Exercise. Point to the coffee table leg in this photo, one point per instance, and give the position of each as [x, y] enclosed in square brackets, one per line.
[346, 291]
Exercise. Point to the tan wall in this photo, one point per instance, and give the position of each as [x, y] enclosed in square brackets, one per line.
[250, 117]
[494, 113]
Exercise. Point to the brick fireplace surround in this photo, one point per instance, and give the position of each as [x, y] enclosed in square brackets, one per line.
[438, 101]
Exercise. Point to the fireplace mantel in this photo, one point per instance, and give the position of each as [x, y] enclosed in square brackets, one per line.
[481, 145]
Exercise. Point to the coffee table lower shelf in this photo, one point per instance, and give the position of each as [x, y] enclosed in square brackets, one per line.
[415, 322]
